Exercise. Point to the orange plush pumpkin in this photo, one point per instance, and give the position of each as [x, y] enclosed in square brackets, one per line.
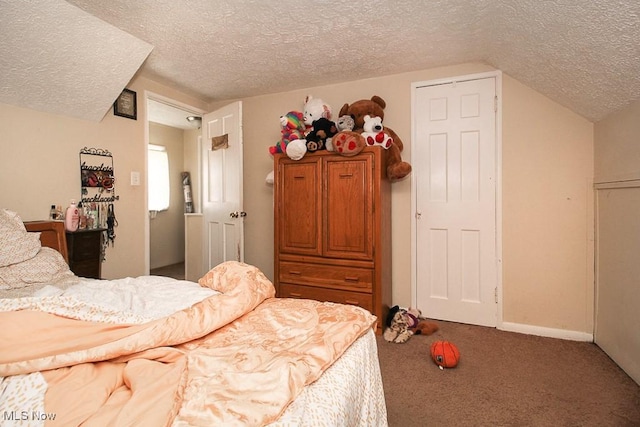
[445, 354]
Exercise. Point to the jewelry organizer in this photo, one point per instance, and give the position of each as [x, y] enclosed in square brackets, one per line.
[98, 189]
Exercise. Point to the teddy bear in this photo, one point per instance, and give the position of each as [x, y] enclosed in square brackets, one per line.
[396, 167]
[322, 131]
[346, 142]
[314, 109]
[403, 323]
[345, 123]
[373, 134]
[292, 128]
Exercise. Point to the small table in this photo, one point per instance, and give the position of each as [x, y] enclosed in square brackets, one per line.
[85, 252]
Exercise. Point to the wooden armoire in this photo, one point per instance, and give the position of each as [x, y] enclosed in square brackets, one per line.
[333, 229]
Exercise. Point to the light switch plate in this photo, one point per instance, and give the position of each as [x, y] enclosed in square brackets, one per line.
[135, 178]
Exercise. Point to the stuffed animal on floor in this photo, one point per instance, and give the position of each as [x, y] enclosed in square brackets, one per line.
[402, 324]
[418, 324]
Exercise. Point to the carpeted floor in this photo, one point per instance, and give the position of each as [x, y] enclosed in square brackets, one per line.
[505, 379]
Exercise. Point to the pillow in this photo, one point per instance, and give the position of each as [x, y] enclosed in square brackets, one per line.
[47, 267]
[16, 244]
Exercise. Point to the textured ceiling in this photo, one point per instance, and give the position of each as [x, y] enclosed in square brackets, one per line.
[59, 59]
[583, 54]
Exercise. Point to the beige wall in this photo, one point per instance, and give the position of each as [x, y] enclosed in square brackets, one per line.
[617, 145]
[166, 230]
[547, 160]
[39, 166]
[261, 129]
[547, 197]
[618, 226]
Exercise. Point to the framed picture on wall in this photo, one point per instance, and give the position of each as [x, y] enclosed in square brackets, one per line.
[126, 105]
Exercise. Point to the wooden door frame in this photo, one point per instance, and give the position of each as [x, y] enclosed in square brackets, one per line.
[497, 74]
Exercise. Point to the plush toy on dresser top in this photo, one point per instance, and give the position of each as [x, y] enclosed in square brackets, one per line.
[314, 109]
[396, 167]
[345, 123]
[346, 142]
[373, 134]
[321, 133]
[317, 118]
[292, 128]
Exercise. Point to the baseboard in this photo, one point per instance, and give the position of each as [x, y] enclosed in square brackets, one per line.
[546, 332]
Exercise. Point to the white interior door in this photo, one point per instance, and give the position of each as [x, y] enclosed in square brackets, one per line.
[454, 160]
[223, 217]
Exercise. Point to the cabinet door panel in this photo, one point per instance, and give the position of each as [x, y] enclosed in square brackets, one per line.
[349, 207]
[299, 210]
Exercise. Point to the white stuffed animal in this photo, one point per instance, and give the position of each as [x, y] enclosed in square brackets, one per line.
[373, 134]
[314, 109]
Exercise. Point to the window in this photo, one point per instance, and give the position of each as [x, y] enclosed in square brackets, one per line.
[159, 190]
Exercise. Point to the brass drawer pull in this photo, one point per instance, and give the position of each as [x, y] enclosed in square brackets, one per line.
[295, 272]
[346, 175]
[351, 278]
[295, 294]
[352, 302]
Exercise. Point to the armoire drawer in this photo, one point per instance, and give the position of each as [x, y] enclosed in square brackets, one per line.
[322, 294]
[331, 276]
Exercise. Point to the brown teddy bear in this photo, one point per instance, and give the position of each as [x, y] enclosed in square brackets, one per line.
[396, 167]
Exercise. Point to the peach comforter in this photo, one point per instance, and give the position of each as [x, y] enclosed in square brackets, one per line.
[235, 358]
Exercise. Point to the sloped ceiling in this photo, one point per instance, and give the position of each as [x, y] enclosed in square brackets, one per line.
[59, 59]
[583, 54]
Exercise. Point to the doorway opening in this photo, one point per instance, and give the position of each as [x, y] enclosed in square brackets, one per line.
[171, 127]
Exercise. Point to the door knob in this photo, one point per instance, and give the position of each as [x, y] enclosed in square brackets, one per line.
[237, 214]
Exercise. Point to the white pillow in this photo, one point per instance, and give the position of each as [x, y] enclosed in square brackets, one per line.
[47, 267]
[16, 244]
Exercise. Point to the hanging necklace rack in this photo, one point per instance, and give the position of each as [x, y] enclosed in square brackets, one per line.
[98, 192]
[97, 177]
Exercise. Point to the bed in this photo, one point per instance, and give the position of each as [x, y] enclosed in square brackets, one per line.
[157, 351]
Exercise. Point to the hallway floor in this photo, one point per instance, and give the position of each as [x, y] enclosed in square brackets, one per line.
[174, 270]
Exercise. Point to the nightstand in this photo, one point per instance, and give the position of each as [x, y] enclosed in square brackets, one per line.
[85, 252]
